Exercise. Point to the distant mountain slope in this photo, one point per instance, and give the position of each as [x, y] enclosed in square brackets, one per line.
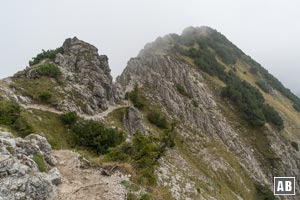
[237, 120]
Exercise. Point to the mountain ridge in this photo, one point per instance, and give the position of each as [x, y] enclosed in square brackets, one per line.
[193, 96]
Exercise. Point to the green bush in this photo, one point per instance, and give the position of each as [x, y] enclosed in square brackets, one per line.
[45, 97]
[262, 86]
[50, 70]
[274, 82]
[295, 145]
[49, 54]
[143, 152]
[195, 103]
[264, 193]
[39, 160]
[131, 196]
[247, 98]
[157, 119]
[146, 196]
[272, 116]
[69, 118]
[96, 136]
[136, 97]
[10, 115]
[297, 106]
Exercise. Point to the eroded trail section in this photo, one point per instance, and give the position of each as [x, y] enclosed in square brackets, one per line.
[83, 182]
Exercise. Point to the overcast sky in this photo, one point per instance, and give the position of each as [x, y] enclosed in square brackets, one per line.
[267, 30]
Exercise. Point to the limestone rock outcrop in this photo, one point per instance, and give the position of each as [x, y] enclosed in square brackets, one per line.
[88, 74]
[20, 175]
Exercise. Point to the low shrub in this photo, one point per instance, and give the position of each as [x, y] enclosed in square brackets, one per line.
[96, 136]
[136, 97]
[45, 97]
[10, 115]
[262, 86]
[157, 119]
[49, 54]
[264, 193]
[143, 152]
[69, 118]
[50, 70]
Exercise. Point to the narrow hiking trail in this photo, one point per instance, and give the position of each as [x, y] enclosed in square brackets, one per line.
[85, 182]
[98, 116]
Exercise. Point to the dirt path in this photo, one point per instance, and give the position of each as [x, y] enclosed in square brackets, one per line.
[85, 184]
[98, 116]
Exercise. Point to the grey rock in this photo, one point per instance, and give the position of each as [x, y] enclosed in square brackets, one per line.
[54, 176]
[132, 121]
[20, 177]
[89, 77]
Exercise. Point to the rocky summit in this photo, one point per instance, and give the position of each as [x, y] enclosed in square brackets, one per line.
[191, 117]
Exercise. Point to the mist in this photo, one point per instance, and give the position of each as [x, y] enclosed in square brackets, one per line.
[267, 30]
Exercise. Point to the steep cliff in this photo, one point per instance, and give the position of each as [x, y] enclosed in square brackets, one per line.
[218, 154]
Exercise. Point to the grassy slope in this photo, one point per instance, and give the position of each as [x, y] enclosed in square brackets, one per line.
[49, 124]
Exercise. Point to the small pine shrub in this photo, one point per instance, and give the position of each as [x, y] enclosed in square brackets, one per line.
[10, 115]
[49, 54]
[96, 136]
[157, 119]
[264, 193]
[297, 107]
[136, 97]
[69, 118]
[262, 86]
[143, 152]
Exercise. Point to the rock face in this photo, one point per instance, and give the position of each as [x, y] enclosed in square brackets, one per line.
[216, 145]
[20, 177]
[132, 121]
[85, 85]
[88, 73]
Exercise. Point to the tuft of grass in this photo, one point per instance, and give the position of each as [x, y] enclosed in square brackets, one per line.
[39, 160]
[130, 186]
[182, 91]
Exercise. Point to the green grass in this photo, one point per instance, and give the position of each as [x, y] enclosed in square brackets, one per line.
[221, 182]
[116, 117]
[51, 126]
[130, 186]
[34, 88]
[39, 160]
